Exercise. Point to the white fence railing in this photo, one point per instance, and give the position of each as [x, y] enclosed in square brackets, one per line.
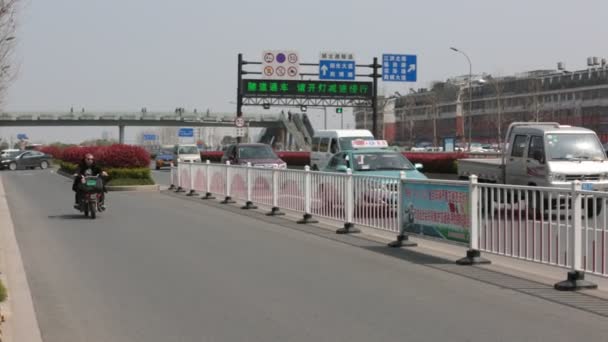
[560, 227]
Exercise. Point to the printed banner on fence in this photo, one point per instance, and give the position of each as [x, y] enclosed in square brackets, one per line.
[436, 210]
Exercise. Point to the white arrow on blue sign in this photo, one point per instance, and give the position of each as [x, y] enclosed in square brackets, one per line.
[399, 68]
[186, 132]
[149, 137]
[330, 69]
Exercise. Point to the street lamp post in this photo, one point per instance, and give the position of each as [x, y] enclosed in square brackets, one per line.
[470, 92]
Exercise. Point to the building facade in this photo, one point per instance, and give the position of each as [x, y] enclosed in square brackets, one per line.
[487, 105]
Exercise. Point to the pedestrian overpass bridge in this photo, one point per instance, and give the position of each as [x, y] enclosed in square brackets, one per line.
[280, 125]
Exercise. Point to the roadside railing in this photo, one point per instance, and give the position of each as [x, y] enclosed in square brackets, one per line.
[560, 227]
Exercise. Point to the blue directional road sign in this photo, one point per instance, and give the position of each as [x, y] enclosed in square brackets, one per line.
[330, 69]
[22, 136]
[399, 68]
[149, 137]
[186, 132]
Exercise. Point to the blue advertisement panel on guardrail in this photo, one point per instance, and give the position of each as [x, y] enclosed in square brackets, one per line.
[436, 210]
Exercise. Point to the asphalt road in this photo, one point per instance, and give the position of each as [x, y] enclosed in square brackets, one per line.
[159, 268]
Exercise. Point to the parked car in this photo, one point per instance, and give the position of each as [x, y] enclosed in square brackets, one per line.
[259, 155]
[26, 160]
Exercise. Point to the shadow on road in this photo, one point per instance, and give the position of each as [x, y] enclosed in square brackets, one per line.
[69, 217]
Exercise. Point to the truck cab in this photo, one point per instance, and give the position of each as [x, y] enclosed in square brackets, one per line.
[544, 154]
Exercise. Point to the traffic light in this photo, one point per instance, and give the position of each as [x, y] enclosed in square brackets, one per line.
[339, 110]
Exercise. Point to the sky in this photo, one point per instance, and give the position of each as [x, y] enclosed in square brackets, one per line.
[115, 55]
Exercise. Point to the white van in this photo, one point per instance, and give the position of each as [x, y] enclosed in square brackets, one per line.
[6, 153]
[329, 142]
[186, 153]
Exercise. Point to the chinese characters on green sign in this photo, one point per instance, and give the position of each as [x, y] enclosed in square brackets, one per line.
[286, 88]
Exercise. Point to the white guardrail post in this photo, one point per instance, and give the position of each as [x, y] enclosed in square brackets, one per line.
[228, 183]
[307, 217]
[473, 254]
[275, 211]
[179, 180]
[192, 192]
[249, 202]
[208, 194]
[576, 276]
[349, 205]
[172, 168]
[405, 216]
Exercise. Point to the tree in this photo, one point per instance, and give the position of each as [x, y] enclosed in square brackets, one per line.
[497, 122]
[535, 99]
[407, 113]
[8, 10]
[433, 113]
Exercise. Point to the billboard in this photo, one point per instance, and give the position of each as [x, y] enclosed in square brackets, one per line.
[437, 210]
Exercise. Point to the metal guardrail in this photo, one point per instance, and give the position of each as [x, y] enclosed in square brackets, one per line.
[560, 227]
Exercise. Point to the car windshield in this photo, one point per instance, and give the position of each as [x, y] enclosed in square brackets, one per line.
[347, 142]
[256, 152]
[580, 146]
[188, 150]
[166, 151]
[381, 161]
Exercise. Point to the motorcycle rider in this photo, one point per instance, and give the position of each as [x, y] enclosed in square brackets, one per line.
[87, 168]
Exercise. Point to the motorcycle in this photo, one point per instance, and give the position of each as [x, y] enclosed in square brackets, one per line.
[91, 194]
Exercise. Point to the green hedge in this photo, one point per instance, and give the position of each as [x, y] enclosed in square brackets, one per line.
[134, 176]
[68, 167]
[130, 181]
[136, 173]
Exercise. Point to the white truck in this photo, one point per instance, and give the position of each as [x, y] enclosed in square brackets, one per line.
[544, 154]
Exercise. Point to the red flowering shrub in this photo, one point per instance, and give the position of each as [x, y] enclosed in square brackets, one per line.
[115, 156]
[123, 156]
[436, 162]
[298, 158]
[54, 151]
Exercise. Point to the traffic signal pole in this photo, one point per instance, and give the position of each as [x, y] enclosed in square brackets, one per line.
[375, 77]
[239, 92]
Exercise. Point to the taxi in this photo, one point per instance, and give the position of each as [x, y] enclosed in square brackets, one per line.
[164, 158]
[377, 171]
[374, 158]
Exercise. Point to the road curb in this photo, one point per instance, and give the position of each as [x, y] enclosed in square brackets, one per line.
[21, 321]
[154, 187]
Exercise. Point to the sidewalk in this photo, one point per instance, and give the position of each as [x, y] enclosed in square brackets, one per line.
[21, 324]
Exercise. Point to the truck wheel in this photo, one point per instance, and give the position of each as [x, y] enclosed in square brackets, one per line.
[592, 210]
[534, 205]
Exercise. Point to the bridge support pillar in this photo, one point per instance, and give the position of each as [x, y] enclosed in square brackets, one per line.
[121, 134]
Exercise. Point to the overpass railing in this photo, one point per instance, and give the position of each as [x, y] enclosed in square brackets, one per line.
[563, 227]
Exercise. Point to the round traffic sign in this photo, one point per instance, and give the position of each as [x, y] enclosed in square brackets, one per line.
[292, 58]
[281, 57]
[239, 122]
[268, 57]
[280, 71]
[292, 71]
[268, 71]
